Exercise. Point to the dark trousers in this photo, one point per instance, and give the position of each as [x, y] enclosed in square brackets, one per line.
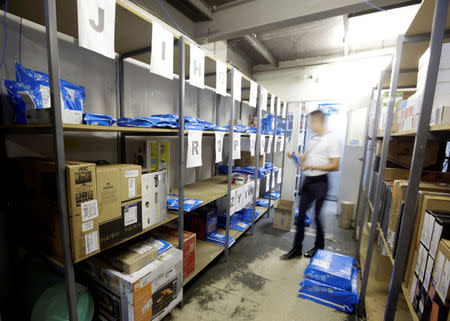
[315, 188]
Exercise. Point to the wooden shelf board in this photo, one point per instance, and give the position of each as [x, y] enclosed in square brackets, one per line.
[205, 253]
[411, 133]
[170, 217]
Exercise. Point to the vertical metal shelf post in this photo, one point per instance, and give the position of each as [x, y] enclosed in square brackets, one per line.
[60, 161]
[122, 136]
[230, 164]
[257, 153]
[366, 140]
[274, 135]
[372, 151]
[382, 167]
[181, 98]
[284, 149]
[420, 144]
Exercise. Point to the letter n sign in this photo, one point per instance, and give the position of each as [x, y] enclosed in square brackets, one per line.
[197, 67]
[96, 25]
[194, 149]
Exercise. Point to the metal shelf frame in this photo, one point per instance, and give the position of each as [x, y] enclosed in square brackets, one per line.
[57, 130]
[436, 38]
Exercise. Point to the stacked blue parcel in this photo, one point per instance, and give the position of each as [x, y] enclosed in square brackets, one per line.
[331, 280]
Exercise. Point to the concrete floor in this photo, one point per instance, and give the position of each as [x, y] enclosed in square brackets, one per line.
[256, 285]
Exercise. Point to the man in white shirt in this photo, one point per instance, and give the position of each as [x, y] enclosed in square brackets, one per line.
[321, 157]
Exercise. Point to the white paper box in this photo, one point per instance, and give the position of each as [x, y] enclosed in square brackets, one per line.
[154, 198]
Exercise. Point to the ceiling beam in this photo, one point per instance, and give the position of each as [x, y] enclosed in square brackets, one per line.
[265, 15]
[259, 47]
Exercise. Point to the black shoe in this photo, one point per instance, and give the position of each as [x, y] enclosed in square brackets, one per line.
[292, 254]
[311, 252]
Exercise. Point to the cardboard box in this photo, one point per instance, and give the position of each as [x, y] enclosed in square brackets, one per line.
[131, 257]
[118, 218]
[441, 272]
[39, 178]
[154, 198]
[399, 195]
[171, 235]
[283, 218]
[392, 174]
[426, 200]
[248, 160]
[401, 151]
[148, 294]
[346, 217]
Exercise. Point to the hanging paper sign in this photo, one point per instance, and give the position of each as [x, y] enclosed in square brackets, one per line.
[194, 150]
[221, 78]
[237, 81]
[252, 144]
[251, 191]
[162, 51]
[272, 104]
[233, 201]
[239, 198]
[268, 181]
[269, 146]
[263, 98]
[279, 176]
[278, 106]
[253, 94]
[219, 146]
[263, 144]
[257, 187]
[282, 144]
[273, 179]
[197, 67]
[96, 25]
[236, 145]
[284, 110]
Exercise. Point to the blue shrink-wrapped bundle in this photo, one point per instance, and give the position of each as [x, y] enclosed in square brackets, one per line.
[98, 119]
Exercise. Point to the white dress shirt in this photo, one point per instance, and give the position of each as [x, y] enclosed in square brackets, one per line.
[320, 150]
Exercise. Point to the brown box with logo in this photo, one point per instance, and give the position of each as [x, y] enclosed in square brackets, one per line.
[119, 202]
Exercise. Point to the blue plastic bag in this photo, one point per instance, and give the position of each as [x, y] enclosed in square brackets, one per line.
[36, 83]
[267, 125]
[328, 295]
[331, 268]
[160, 245]
[189, 204]
[98, 119]
[274, 196]
[262, 203]
[308, 218]
[223, 169]
[246, 214]
[12, 88]
[220, 239]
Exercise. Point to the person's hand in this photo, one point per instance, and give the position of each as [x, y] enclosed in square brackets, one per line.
[302, 157]
[290, 154]
[306, 167]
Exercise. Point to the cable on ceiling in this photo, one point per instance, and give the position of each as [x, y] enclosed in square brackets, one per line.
[170, 16]
[372, 5]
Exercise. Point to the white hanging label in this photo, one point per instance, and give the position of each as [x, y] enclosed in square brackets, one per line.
[162, 51]
[239, 198]
[233, 201]
[272, 104]
[197, 67]
[96, 25]
[251, 192]
[282, 144]
[237, 81]
[268, 181]
[273, 180]
[219, 146]
[221, 78]
[278, 106]
[269, 146]
[253, 94]
[262, 144]
[236, 145]
[279, 176]
[252, 144]
[194, 150]
[263, 98]
[284, 110]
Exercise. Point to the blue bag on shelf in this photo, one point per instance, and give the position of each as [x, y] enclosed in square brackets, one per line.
[220, 239]
[98, 119]
[189, 204]
[36, 83]
[267, 125]
[331, 296]
[13, 88]
[246, 214]
[262, 203]
[239, 225]
[124, 122]
[218, 128]
[331, 268]
[160, 245]
[274, 196]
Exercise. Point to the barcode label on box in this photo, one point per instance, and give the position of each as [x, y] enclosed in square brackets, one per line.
[89, 210]
[91, 240]
[87, 226]
[130, 215]
[131, 173]
[131, 187]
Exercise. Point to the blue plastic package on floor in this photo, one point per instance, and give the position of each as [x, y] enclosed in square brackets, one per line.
[328, 295]
[331, 268]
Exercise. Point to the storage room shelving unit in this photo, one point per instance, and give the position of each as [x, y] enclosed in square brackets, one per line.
[429, 28]
[60, 22]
